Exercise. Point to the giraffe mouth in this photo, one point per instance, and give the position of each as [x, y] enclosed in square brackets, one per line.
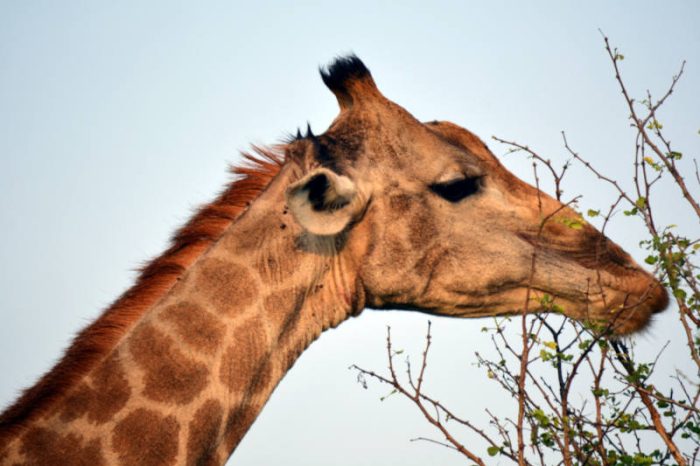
[618, 310]
[613, 279]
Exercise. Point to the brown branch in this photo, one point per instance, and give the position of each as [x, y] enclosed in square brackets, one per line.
[624, 359]
[546, 162]
[417, 399]
[598, 409]
[639, 124]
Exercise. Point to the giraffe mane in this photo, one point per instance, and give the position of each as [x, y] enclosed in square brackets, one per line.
[156, 278]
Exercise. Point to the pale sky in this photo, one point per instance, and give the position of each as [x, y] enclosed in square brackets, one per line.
[117, 118]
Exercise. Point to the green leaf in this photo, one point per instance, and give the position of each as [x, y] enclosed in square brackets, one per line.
[651, 260]
[557, 309]
[593, 213]
[493, 450]
[546, 356]
[541, 418]
[573, 223]
[654, 124]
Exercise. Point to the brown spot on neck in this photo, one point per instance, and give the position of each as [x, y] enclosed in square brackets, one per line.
[44, 447]
[101, 396]
[244, 358]
[203, 436]
[169, 375]
[198, 328]
[227, 286]
[146, 438]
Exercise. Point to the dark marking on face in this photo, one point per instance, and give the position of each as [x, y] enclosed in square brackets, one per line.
[400, 203]
[243, 358]
[227, 286]
[197, 327]
[104, 395]
[429, 261]
[169, 375]
[146, 438]
[587, 247]
[422, 228]
[42, 447]
[597, 251]
[203, 433]
[397, 253]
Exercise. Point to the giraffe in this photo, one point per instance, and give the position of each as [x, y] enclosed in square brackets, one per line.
[379, 211]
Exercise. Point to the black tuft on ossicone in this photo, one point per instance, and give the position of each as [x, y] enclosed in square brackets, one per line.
[342, 70]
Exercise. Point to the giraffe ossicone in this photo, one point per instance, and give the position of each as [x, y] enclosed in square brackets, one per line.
[380, 210]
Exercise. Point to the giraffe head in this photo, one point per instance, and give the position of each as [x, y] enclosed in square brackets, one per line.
[442, 227]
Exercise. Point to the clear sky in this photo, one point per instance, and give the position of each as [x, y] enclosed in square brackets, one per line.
[116, 118]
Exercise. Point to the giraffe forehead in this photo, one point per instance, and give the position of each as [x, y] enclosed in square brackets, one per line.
[388, 162]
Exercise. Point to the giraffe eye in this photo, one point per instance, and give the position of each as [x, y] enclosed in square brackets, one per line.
[456, 190]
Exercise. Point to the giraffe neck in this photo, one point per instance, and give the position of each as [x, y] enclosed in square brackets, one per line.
[188, 380]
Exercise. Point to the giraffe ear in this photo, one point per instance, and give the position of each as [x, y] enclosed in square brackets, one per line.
[323, 202]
